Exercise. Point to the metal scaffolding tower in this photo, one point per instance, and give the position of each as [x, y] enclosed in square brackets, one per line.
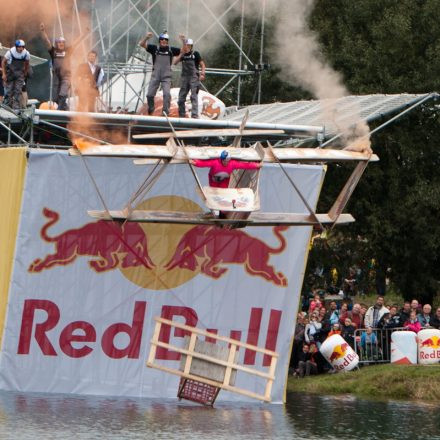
[116, 27]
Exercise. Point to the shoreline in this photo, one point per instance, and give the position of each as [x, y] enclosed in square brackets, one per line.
[394, 382]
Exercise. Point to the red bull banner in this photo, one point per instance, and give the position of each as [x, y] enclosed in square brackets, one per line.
[429, 346]
[84, 292]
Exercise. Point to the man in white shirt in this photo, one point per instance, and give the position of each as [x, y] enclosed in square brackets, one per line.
[15, 67]
[89, 77]
[374, 313]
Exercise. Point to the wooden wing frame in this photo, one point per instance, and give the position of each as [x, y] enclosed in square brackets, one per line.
[244, 184]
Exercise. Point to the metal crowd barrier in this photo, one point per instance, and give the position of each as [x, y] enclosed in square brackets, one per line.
[374, 352]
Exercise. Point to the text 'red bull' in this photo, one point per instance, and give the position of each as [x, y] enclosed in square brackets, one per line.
[429, 348]
[112, 244]
[84, 332]
[208, 249]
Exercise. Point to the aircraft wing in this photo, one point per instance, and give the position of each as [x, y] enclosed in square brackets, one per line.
[183, 134]
[195, 218]
[246, 154]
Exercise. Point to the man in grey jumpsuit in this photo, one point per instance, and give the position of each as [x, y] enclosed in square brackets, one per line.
[193, 71]
[162, 61]
[15, 67]
[62, 74]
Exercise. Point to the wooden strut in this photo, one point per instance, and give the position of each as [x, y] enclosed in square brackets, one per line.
[182, 145]
[346, 192]
[230, 364]
[311, 211]
[237, 139]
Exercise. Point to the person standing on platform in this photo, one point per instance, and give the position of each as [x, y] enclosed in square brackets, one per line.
[161, 76]
[193, 71]
[62, 75]
[15, 67]
[88, 79]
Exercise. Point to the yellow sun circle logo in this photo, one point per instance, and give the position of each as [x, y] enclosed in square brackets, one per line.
[162, 240]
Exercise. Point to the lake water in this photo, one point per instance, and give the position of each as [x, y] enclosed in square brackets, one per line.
[44, 416]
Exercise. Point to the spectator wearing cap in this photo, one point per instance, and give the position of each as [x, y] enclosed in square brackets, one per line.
[374, 313]
[222, 168]
[15, 67]
[60, 55]
[425, 317]
[161, 76]
[193, 71]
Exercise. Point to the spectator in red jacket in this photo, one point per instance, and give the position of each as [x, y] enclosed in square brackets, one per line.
[413, 324]
[222, 168]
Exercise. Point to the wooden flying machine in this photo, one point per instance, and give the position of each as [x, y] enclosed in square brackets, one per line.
[239, 204]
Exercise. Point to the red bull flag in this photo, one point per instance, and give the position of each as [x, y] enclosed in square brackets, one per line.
[84, 292]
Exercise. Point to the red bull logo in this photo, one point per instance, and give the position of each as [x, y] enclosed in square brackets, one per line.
[110, 244]
[339, 351]
[433, 342]
[210, 249]
[429, 349]
[160, 257]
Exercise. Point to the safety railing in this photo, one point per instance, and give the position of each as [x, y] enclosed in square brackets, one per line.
[375, 347]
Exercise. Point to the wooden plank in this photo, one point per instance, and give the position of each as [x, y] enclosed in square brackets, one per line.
[188, 218]
[230, 199]
[126, 150]
[155, 338]
[189, 358]
[185, 134]
[269, 384]
[303, 155]
[232, 353]
[347, 191]
[207, 334]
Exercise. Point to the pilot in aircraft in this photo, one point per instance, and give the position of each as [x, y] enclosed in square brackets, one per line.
[222, 168]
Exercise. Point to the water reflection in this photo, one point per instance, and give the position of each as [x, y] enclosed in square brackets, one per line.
[350, 418]
[43, 416]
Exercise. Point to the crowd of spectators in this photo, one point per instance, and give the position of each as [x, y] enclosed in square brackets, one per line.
[320, 319]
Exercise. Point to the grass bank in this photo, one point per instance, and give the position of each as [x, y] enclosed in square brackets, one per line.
[376, 381]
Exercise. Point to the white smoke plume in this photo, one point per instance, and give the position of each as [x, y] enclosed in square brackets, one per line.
[296, 50]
